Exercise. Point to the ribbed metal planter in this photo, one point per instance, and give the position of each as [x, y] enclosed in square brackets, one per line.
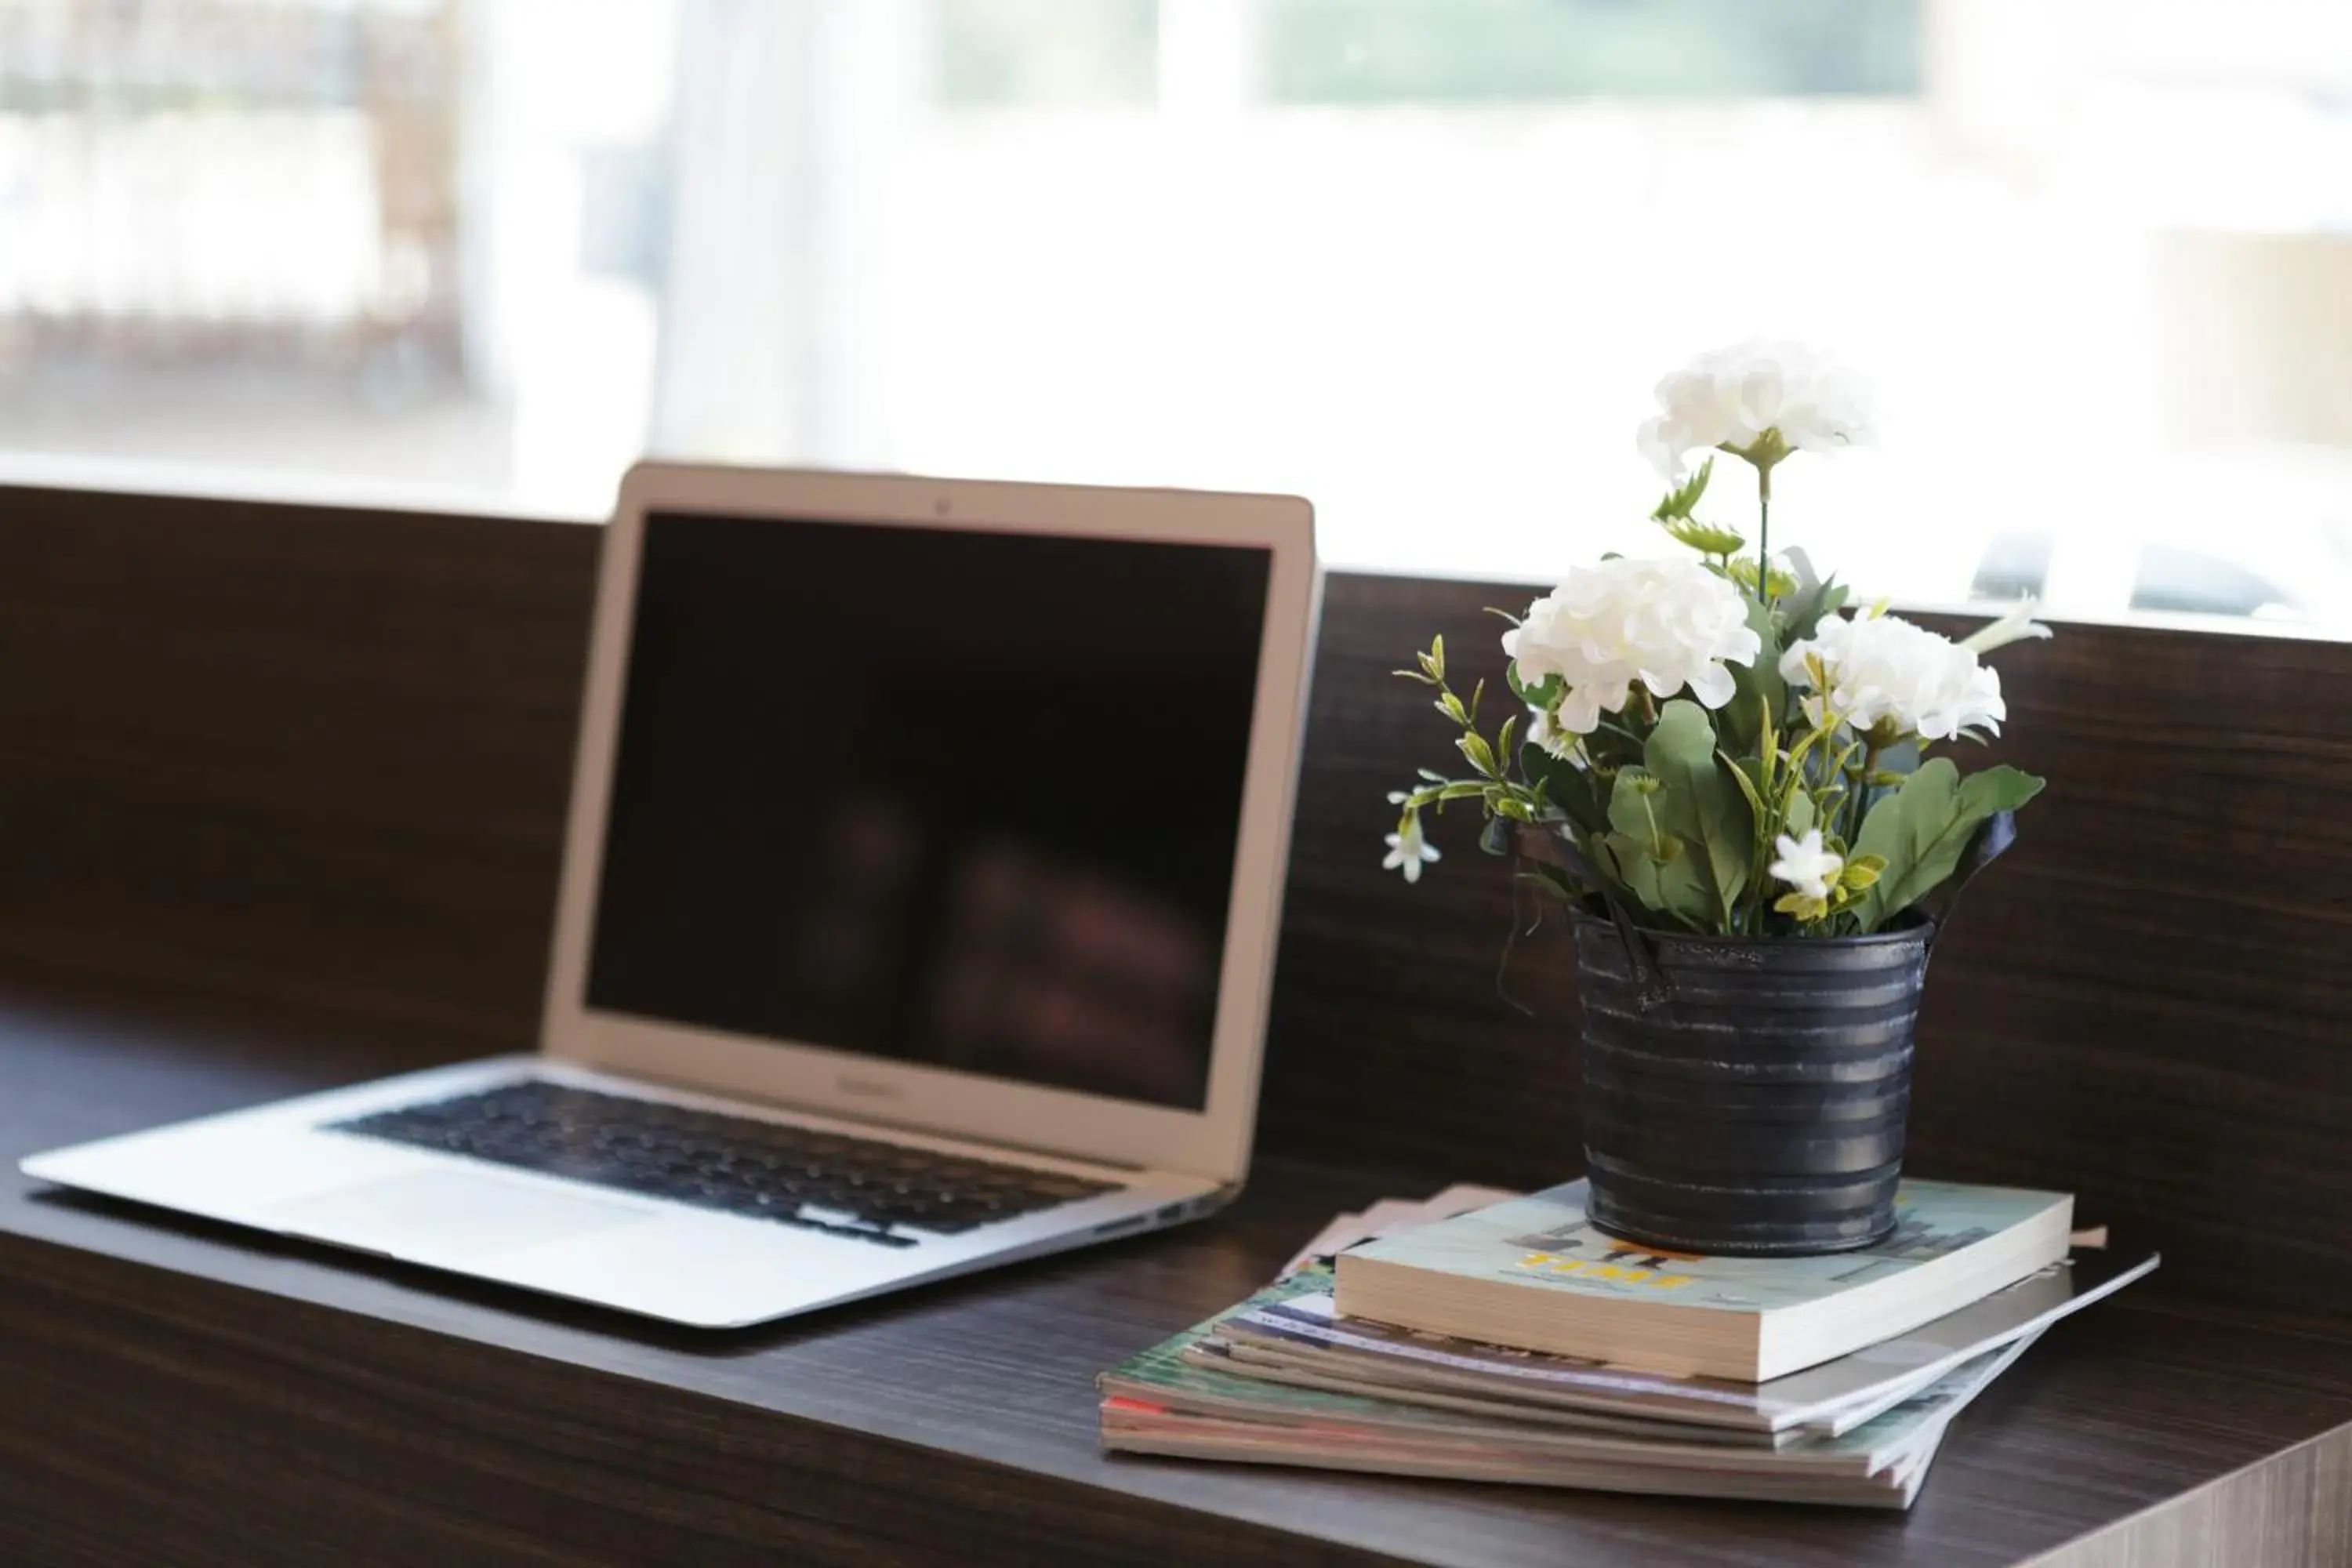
[1747, 1098]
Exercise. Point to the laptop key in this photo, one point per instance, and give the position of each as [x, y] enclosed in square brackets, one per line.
[832, 1181]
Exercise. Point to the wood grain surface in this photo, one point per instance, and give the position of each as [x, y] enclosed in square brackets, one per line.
[2292, 1511]
[184, 1393]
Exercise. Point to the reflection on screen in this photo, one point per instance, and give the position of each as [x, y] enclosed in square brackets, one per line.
[965, 799]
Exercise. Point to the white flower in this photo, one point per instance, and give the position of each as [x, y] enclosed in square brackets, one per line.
[1408, 849]
[1732, 396]
[1882, 666]
[1667, 624]
[1805, 866]
[1559, 742]
[2014, 627]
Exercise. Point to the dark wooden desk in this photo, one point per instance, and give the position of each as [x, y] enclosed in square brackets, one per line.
[175, 1394]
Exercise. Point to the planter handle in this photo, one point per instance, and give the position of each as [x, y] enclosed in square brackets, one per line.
[1654, 990]
[1989, 843]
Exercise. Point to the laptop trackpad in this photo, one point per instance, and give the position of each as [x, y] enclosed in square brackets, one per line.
[440, 1215]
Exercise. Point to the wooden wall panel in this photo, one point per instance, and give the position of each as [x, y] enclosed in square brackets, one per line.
[292, 753]
[2148, 1002]
[307, 758]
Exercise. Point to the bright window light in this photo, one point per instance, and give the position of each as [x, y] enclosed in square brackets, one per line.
[1420, 260]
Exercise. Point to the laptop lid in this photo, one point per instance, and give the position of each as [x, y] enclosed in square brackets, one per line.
[957, 805]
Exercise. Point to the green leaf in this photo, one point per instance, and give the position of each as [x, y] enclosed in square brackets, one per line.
[1630, 811]
[1699, 803]
[1758, 685]
[1670, 890]
[1451, 706]
[1805, 908]
[1679, 500]
[1758, 812]
[1900, 758]
[1776, 584]
[1647, 856]
[1473, 746]
[1800, 815]
[1611, 747]
[1813, 601]
[1750, 769]
[1572, 789]
[1921, 830]
[1703, 537]
[1683, 797]
[1542, 694]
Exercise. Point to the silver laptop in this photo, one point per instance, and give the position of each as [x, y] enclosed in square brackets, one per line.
[918, 912]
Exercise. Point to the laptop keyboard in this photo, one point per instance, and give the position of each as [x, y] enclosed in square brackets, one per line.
[765, 1170]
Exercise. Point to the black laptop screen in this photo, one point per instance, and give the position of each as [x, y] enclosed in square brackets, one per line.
[958, 798]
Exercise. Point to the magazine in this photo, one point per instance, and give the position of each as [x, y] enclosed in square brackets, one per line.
[1165, 1400]
[1302, 1331]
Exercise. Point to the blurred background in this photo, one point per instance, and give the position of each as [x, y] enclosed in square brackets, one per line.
[1419, 260]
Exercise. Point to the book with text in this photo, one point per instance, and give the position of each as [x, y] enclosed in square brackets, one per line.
[1535, 1273]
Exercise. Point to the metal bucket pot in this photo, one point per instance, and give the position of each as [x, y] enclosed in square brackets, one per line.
[1747, 1098]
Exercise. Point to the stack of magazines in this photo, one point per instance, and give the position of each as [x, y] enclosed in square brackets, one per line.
[1516, 1342]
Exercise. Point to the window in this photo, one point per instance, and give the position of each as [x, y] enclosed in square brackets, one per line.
[1419, 260]
[1550, 51]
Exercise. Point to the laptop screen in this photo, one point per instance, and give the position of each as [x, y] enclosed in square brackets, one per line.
[956, 798]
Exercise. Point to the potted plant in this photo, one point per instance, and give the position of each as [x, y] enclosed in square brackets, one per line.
[1744, 795]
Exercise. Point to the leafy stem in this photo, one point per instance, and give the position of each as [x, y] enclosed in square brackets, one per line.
[1862, 783]
[1502, 795]
[1657, 835]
